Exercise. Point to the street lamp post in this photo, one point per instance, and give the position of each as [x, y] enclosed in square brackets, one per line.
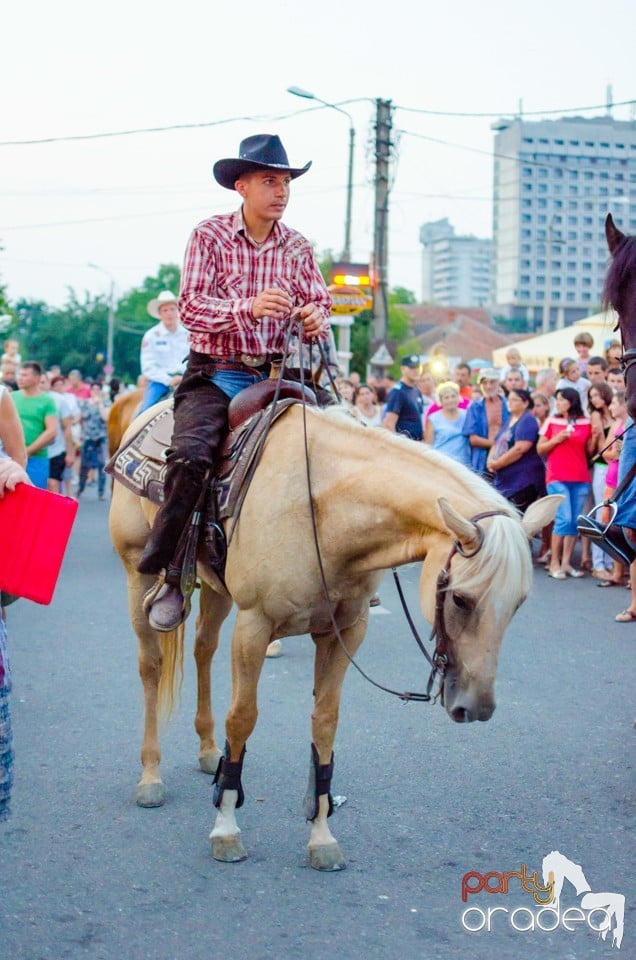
[299, 92]
[108, 368]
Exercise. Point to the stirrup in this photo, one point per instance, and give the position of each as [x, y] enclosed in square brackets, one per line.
[149, 595]
[609, 536]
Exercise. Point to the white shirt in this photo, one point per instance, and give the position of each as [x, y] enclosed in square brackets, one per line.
[64, 410]
[164, 354]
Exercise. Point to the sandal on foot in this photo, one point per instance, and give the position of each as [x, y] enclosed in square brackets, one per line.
[556, 574]
[609, 583]
[626, 616]
[575, 574]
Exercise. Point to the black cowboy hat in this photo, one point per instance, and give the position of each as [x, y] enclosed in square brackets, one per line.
[262, 152]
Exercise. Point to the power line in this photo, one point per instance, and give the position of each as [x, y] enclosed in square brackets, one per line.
[520, 158]
[169, 127]
[286, 116]
[520, 114]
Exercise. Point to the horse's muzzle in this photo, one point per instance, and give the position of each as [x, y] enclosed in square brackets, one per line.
[464, 705]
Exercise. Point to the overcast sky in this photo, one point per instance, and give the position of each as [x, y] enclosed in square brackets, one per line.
[128, 203]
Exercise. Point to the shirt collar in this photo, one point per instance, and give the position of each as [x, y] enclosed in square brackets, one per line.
[279, 230]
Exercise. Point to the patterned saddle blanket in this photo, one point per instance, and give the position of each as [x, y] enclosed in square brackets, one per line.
[141, 464]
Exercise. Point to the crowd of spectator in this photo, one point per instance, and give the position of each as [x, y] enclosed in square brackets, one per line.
[63, 418]
[557, 431]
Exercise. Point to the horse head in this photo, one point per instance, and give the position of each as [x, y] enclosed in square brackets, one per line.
[619, 292]
[489, 576]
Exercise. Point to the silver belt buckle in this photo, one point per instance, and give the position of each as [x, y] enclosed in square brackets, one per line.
[253, 360]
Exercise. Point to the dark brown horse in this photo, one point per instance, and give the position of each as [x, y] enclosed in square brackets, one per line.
[620, 293]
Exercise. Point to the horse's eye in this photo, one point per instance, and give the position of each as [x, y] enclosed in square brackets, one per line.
[463, 603]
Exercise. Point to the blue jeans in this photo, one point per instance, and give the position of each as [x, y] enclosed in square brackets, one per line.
[232, 382]
[155, 392]
[572, 506]
[38, 471]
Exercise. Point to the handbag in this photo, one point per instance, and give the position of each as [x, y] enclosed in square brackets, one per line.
[609, 536]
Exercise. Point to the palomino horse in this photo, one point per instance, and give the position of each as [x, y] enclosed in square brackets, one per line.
[620, 293]
[379, 501]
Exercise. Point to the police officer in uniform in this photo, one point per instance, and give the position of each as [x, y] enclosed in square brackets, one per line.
[405, 405]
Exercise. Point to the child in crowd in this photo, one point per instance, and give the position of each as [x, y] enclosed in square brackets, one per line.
[571, 376]
[514, 362]
[616, 379]
[583, 343]
[11, 352]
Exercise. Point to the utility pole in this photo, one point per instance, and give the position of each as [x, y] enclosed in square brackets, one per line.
[383, 124]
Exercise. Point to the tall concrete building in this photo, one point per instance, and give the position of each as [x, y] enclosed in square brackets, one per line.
[455, 270]
[554, 183]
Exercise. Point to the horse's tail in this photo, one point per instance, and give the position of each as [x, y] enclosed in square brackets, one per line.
[171, 679]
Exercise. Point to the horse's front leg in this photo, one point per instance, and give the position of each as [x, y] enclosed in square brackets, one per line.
[150, 789]
[252, 633]
[213, 610]
[330, 667]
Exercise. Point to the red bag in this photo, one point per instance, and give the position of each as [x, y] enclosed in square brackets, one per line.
[35, 526]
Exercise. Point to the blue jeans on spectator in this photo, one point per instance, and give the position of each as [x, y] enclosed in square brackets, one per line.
[38, 471]
[570, 508]
[155, 392]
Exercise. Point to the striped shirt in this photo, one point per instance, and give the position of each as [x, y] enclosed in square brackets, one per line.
[225, 270]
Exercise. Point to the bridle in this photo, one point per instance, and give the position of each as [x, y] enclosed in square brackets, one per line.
[441, 659]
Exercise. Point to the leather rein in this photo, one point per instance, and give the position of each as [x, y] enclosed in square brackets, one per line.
[441, 658]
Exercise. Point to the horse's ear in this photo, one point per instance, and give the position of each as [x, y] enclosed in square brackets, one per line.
[614, 236]
[540, 513]
[465, 530]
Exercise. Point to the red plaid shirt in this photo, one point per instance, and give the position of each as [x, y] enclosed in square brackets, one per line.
[224, 270]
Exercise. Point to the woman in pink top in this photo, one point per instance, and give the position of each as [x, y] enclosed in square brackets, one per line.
[566, 442]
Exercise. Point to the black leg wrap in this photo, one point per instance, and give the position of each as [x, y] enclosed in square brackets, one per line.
[228, 777]
[319, 785]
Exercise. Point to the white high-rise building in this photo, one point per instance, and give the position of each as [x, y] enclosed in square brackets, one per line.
[455, 270]
[554, 183]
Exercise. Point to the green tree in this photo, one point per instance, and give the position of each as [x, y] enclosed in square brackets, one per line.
[401, 295]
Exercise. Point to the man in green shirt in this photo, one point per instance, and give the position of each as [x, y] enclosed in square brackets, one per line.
[38, 414]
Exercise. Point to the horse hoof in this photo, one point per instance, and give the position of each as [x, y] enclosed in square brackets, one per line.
[209, 762]
[274, 650]
[328, 858]
[150, 794]
[228, 849]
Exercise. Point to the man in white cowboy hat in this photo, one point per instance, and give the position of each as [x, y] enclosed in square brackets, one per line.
[246, 276]
[164, 349]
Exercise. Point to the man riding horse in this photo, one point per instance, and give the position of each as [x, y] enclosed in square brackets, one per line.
[246, 276]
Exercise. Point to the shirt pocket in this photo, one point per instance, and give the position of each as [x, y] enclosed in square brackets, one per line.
[235, 286]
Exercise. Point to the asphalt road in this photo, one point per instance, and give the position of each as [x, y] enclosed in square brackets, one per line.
[84, 873]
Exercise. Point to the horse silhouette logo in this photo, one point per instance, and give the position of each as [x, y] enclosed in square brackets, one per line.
[556, 869]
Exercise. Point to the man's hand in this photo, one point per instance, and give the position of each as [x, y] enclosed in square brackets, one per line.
[272, 302]
[175, 380]
[11, 473]
[312, 320]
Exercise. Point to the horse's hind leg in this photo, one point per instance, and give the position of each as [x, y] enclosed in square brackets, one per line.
[330, 667]
[213, 610]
